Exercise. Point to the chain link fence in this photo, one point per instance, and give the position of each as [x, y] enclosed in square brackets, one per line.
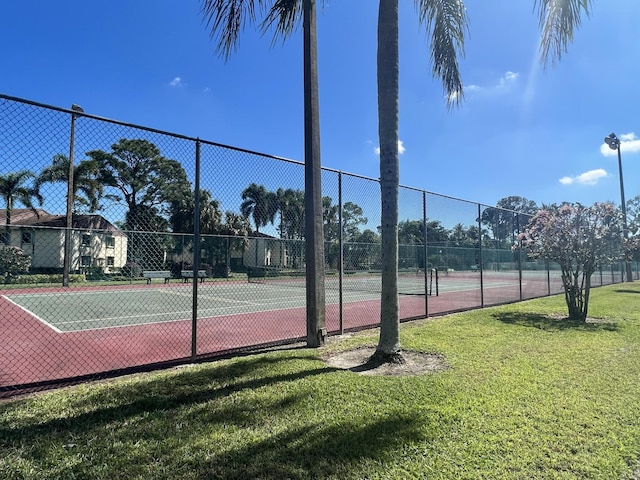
[106, 267]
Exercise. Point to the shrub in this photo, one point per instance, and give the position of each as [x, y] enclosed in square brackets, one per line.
[45, 278]
[96, 273]
[13, 261]
[131, 270]
[176, 268]
[221, 270]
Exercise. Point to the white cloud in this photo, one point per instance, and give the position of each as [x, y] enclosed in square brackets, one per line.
[503, 82]
[176, 82]
[511, 76]
[401, 148]
[629, 143]
[587, 178]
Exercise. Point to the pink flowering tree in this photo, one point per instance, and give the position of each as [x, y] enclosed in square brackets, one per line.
[579, 239]
[633, 220]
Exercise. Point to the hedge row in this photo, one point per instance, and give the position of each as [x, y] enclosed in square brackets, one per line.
[45, 278]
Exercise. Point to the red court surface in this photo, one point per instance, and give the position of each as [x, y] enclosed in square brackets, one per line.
[33, 352]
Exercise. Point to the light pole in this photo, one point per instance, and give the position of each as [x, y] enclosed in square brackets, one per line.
[70, 194]
[614, 144]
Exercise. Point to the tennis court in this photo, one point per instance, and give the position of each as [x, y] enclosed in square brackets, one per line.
[52, 333]
[98, 308]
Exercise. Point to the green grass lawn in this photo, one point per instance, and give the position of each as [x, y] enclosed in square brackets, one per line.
[527, 396]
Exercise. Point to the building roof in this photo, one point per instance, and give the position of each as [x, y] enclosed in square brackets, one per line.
[40, 218]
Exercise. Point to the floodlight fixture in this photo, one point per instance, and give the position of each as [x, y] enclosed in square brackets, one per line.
[612, 141]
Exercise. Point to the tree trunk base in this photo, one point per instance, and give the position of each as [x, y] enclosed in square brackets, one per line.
[380, 358]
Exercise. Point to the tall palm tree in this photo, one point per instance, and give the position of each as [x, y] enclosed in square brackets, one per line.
[446, 22]
[259, 203]
[262, 205]
[85, 181]
[14, 188]
[182, 209]
[236, 230]
[290, 205]
[226, 19]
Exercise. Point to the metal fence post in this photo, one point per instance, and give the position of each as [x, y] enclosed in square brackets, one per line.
[340, 256]
[196, 255]
[425, 247]
[519, 256]
[70, 197]
[480, 259]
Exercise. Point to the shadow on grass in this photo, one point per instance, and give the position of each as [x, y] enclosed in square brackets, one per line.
[193, 420]
[321, 451]
[552, 324]
[159, 396]
[621, 290]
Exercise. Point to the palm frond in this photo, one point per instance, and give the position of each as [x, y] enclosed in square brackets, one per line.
[446, 24]
[558, 20]
[225, 19]
[283, 17]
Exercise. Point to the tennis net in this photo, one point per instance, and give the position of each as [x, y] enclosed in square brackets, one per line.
[410, 282]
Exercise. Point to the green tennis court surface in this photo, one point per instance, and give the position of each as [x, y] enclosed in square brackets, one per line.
[116, 307]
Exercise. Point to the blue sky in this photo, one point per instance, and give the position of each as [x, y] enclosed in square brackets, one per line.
[520, 130]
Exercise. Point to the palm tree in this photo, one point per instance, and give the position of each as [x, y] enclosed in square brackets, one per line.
[85, 180]
[290, 205]
[260, 204]
[446, 22]
[14, 188]
[181, 213]
[227, 18]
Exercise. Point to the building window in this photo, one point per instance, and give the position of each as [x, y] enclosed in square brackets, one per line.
[110, 241]
[27, 237]
[86, 239]
[111, 261]
[85, 261]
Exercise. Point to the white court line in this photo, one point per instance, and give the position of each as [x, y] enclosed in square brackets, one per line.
[33, 315]
[85, 292]
[210, 297]
[170, 321]
[185, 313]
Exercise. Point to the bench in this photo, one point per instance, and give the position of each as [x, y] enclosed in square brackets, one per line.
[187, 274]
[149, 274]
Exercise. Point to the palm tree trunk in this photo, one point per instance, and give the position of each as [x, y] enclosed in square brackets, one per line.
[9, 202]
[316, 320]
[388, 91]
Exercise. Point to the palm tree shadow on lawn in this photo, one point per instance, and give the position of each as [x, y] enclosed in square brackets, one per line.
[313, 450]
[554, 323]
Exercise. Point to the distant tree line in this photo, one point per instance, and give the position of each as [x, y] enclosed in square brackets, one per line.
[159, 198]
